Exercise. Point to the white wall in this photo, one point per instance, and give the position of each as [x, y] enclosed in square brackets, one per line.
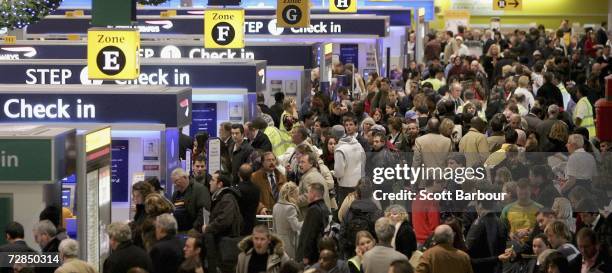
[120, 211]
[27, 205]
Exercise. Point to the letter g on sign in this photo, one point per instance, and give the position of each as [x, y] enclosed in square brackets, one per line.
[292, 14]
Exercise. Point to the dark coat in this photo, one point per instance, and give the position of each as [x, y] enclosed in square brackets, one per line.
[365, 207]
[550, 94]
[225, 217]
[405, 240]
[532, 122]
[547, 195]
[197, 198]
[52, 246]
[18, 246]
[486, 240]
[277, 109]
[261, 142]
[238, 158]
[315, 221]
[248, 203]
[167, 254]
[266, 110]
[125, 257]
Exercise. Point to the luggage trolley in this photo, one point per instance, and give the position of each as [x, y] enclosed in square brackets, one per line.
[266, 220]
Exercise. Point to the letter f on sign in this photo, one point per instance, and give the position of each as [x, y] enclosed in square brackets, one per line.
[223, 32]
[110, 60]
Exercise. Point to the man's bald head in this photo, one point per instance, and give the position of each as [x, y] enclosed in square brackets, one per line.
[433, 125]
[245, 171]
[443, 234]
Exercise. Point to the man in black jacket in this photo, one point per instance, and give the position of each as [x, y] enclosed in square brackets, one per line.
[167, 252]
[45, 235]
[317, 218]
[549, 93]
[225, 221]
[239, 151]
[189, 199]
[594, 254]
[259, 140]
[199, 173]
[249, 199]
[14, 235]
[542, 188]
[124, 254]
[592, 219]
[486, 240]
[261, 102]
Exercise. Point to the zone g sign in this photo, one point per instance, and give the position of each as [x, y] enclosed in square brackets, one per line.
[113, 54]
[342, 6]
[293, 13]
[224, 28]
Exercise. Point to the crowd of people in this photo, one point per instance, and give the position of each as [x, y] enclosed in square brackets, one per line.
[295, 191]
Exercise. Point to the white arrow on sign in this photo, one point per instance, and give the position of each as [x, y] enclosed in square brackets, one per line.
[29, 51]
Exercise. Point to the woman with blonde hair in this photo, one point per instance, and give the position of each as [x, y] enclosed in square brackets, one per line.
[558, 137]
[404, 239]
[563, 212]
[289, 115]
[285, 215]
[364, 241]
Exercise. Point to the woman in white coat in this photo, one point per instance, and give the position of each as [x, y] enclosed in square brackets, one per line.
[285, 215]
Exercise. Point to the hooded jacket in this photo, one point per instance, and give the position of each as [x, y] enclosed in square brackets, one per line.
[276, 255]
[225, 217]
[350, 160]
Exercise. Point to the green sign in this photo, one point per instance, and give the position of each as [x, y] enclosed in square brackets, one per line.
[25, 160]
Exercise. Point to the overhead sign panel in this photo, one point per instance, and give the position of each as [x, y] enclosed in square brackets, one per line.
[508, 5]
[112, 54]
[154, 26]
[187, 73]
[105, 106]
[224, 28]
[287, 54]
[293, 13]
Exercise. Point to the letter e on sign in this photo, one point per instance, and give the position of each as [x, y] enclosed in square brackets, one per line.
[224, 28]
[113, 54]
[293, 13]
[342, 6]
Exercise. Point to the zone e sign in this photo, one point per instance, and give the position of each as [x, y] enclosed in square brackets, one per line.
[224, 28]
[293, 13]
[342, 6]
[113, 54]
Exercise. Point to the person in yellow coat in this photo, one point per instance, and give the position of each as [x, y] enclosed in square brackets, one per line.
[583, 113]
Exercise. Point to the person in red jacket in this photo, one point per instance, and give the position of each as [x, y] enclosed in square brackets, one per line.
[426, 213]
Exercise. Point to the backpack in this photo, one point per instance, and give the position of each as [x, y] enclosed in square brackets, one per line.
[359, 221]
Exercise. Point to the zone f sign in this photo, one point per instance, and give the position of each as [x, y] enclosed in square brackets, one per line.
[224, 28]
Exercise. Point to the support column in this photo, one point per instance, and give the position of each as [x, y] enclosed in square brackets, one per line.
[609, 15]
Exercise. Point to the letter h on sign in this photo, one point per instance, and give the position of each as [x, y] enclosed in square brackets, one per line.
[342, 6]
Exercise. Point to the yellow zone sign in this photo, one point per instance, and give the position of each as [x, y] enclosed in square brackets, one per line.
[224, 28]
[113, 54]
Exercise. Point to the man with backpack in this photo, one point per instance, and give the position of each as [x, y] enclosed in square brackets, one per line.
[361, 215]
[315, 221]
